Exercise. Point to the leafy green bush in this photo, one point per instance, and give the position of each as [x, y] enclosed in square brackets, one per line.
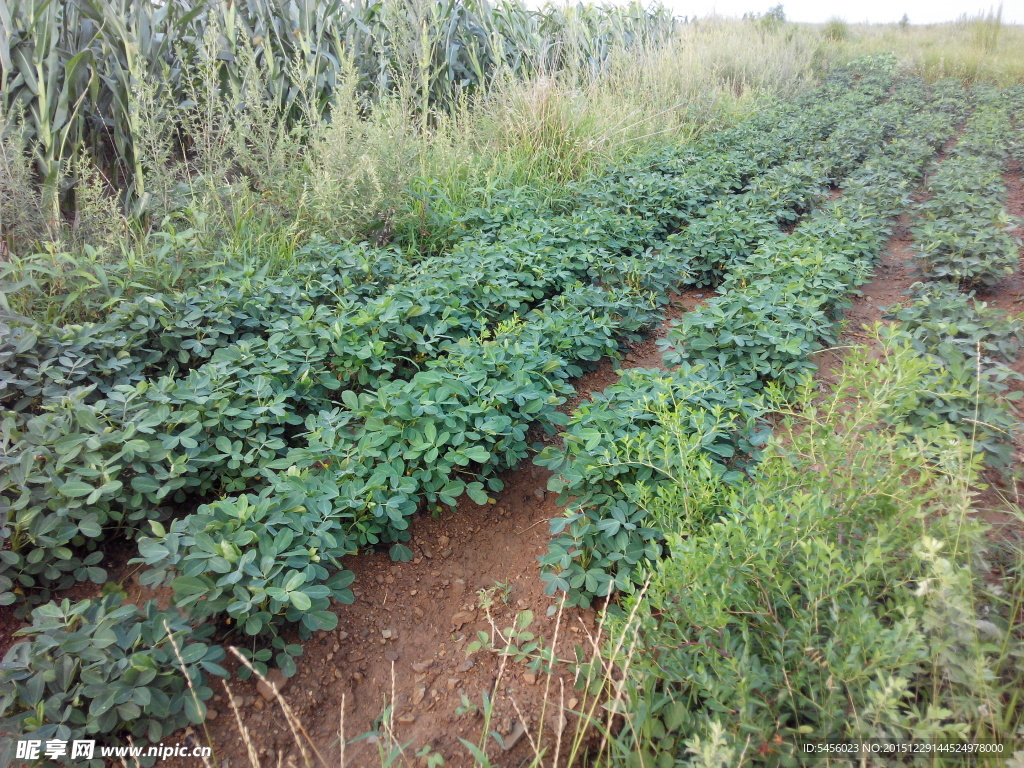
[613, 458]
[971, 251]
[768, 330]
[831, 599]
[65, 486]
[728, 233]
[78, 473]
[160, 335]
[213, 429]
[965, 235]
[970, 346]
[941, 314]
[448, 429]
[100, 668]
[260, 561]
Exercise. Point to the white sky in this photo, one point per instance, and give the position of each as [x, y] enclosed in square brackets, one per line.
[877, 11]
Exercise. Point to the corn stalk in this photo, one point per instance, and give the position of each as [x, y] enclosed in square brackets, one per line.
[69, 68]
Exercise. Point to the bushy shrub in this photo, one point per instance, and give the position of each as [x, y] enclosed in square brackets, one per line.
[260, 562]
[941, 314]
[618, 450]
[100, 668]
[970, 346]
[835, 30]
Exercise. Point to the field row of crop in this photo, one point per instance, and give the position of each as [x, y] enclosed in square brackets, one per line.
[963, 242]
[774, 310]
[964, 231]
[323, 408]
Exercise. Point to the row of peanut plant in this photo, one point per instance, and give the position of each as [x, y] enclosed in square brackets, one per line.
[964, 232]
[840, 590]
[775, 308]
[177, 397]
[449, 429]
[316, 412]
[964, 245]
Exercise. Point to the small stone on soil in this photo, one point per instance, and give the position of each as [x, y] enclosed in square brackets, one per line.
[275, 678]
[557, 721]
[518, 731]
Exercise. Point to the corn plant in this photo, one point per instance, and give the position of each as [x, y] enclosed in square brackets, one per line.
[71, 72]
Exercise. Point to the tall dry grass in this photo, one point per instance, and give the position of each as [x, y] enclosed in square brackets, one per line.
[974, 48]
[371, 166]
[251, 186]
